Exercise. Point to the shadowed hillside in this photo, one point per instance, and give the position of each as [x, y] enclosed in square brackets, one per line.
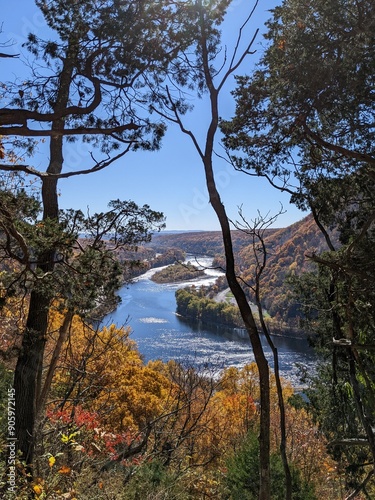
[287, 254]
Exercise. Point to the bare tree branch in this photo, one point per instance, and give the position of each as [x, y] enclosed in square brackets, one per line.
[64, 175]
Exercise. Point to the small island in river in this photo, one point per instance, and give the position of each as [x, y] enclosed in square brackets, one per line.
[177, 272]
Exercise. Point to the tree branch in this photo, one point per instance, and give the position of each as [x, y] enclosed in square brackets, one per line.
[24, 131]
[356, 492]
[8, 55]
[348, 153]
[64, 175]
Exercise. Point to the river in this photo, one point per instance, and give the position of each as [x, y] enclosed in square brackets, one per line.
[149, 309]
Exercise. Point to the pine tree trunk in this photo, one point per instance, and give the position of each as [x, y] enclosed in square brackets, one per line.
[29, 368]
[28, 374]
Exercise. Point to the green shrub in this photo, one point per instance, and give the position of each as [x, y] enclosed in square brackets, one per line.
[153, 481]
[243, 475]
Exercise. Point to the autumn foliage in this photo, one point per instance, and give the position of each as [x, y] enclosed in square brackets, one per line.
[113, 423]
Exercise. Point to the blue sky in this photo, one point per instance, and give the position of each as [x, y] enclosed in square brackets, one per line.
[172, 179]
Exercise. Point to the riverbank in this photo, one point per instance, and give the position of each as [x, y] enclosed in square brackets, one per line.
[221, 310]
[242, 334]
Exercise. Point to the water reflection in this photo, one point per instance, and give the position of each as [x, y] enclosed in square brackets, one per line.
[149, 308]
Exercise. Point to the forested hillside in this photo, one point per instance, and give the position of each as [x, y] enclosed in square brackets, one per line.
[197, 242]
[301, 236]
[288, 252]
[287, 255]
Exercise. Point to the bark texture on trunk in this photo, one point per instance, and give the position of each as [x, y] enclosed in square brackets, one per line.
[28, 372]
[29, 368]
[249, 322]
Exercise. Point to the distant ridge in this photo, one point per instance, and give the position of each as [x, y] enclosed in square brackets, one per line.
[287, 250]
[178, 231]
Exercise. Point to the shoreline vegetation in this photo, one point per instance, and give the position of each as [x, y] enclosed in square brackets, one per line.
[194, 305]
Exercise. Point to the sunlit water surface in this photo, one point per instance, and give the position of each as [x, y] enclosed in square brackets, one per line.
[150, 310]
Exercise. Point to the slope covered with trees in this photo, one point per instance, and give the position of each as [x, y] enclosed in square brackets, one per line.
[287, 248]
[288, 252]
[197, 242]
[117, 427]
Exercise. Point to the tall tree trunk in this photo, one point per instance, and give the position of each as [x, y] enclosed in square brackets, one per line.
[28, 372]
[280, 397]
[63, 334]
[206, 156]
[234, 285]
[249, 322]
[260, 265]
[29, 368]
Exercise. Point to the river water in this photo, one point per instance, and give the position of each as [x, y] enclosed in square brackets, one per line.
[149, 309]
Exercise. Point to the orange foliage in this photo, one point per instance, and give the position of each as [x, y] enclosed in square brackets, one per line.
[105, 372]
[107, 398]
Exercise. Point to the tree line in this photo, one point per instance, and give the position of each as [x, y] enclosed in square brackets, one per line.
[195, 305]
[177, 272]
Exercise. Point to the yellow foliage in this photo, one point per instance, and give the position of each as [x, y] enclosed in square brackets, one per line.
[104, 371]
[246, 381]
[38, 489]
[307, 450]
[112, 376]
